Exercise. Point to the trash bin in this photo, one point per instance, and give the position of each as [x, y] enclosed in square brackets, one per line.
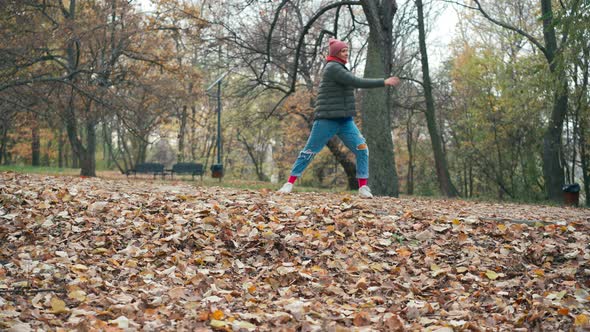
[217, 171]
[571, 194]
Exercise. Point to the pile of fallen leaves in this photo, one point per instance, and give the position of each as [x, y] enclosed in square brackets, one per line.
[91, 253]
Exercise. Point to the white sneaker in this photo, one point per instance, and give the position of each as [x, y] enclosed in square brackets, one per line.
[365, 192]
[286, 188]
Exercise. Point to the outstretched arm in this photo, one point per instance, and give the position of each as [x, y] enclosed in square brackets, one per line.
[345, 77]
[342, 76]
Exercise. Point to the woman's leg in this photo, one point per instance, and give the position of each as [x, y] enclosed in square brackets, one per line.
[354, 140]
[321, 132]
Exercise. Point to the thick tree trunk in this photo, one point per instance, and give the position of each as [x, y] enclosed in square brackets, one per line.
[3, 142]
[84, 155]
[74, 162]
[440, 161]
[72, 130]
[376, 104]
[88, 157]
[141, 152]
[552, 165]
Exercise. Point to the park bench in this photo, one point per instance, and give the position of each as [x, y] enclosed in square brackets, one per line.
[187, 168]
[147, 168]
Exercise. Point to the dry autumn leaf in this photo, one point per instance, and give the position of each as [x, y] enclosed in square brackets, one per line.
[78, 295]
[394, 324]
[582, 320]
[217, 315]
[58, 306]
[361, 319]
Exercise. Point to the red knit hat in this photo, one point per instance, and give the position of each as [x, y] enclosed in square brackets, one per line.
[336, 45]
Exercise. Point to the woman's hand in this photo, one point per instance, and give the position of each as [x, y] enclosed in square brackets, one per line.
[392, 81]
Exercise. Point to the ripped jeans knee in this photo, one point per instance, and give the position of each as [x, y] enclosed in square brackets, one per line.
[305, 157]
[362, 148]
[307, 154]
[362, 161]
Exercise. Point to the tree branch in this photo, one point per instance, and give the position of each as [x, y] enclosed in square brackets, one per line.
[269, 39]
[510, 27]
[412, 80]
[459, 4]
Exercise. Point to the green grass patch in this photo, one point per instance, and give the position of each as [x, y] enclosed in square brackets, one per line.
[39, 170]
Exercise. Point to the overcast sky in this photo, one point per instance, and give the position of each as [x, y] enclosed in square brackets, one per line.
[441, 35]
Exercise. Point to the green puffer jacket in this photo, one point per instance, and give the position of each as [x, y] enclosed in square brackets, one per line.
[336, 91]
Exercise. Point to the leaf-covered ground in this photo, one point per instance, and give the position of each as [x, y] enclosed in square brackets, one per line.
[104, 254]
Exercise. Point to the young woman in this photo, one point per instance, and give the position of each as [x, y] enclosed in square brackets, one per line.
[334, 112]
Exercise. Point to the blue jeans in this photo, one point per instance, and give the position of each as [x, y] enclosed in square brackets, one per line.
[322, 131]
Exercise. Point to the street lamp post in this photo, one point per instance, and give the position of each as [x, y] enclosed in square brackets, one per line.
[217, 169]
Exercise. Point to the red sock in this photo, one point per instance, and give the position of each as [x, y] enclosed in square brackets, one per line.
[292, 179]
[362, 182]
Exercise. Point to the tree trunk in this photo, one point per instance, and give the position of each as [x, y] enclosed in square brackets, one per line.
[585, 160]
[88, 157]
[74, 161]
[3, 143]
[584, 123]
[193, 135]
[106, 142]
[46, 159]
[376, 103]
[465, 179]
[35, 142]
[552, 165]
[182, 134]
[141, 152]
[410, 147]
[72, 131]
[440, 161]
[60, 148]
[84, 155]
